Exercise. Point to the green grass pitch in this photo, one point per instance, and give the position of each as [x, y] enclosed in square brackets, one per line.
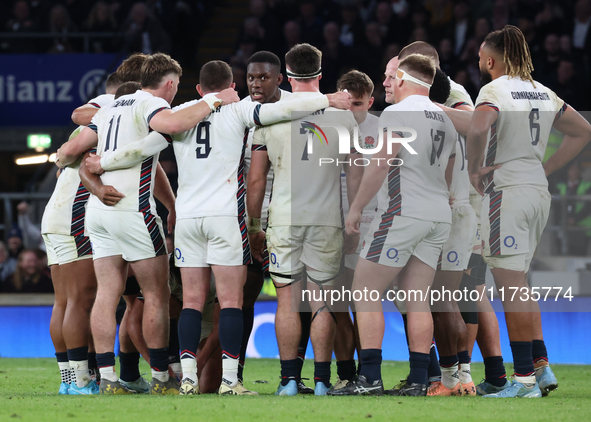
[28, 392]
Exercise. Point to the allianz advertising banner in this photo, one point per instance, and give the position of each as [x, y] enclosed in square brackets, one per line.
[44, 89]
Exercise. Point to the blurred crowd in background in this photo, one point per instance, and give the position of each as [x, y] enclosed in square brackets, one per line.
[360, 34]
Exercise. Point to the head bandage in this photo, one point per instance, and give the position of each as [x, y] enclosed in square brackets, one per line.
[291, 74]
[403, 76]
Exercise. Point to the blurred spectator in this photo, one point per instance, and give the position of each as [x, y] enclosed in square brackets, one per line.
[253, 32]
[442, 12]
[352, 27]
[481, 30]
[7, 263]
[447, 59]
[547, 62]
[270, 24]
[370, 52]
[335, 57]
[500, 15]
[101, 19]
[462, 77]
[42, 262]
[386, 23]
[27, 278]
[419, 34]
[580, 25]
[291, 33]
[246, 48]
[184, 34]
[239, 73]
[15, 242]
[469, 60]
[460, 27]
[20, 22]
[550, 19]
[578, 213]
[568, 88]
[390, 52]
[78, 10]
[31, 234]
[529, 32]
[60, 25]
[566, 46]
[144, 33]
[310, 23]
[367, 8]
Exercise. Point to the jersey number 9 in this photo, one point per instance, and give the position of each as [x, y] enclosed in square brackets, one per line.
[202, 139]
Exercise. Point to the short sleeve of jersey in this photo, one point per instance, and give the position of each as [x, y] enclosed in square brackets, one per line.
[457, 98]
[94, 123]
[390, 119]
[102, 100]
[487, 97]
[558, 103]
[248, 113]
[153, 106]
[259, 141]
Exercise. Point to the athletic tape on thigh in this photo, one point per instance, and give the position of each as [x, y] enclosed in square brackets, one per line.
[320, 310]
[295, 278]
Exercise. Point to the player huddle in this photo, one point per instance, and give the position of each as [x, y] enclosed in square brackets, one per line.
[252, 197]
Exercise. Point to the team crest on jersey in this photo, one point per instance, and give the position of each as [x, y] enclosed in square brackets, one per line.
[369, 141]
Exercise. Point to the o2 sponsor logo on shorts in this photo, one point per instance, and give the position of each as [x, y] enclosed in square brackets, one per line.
[510, 242]
[273, 260]
[392, 253]
[178, 255]
[453, 258]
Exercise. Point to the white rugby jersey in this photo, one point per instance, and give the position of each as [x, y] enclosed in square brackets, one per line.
[312, 191]
[519, 137]
[418, 188]
[460, 183]
[65, 211]
[368, 131]
[247, 157]
[120, 123]
[210, 156]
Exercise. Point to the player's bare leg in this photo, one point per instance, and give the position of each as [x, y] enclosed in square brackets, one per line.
[252, 288]
[544, 374]
[520, 323]
[345, 336]
[288, 329]
[131, 345]
[370, 318]
[80, 283]
[55, 328]
[152, 276]
[448, 326]
[322, 334]
[196, 283]
[110, 273]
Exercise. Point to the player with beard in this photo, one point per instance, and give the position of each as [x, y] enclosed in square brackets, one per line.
[506, 143]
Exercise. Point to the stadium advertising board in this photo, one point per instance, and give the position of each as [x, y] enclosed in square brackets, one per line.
[43, 89]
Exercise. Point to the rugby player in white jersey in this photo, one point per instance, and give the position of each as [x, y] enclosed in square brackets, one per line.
[263, 77]
[68, 250]
[506, 142]
[130, 232]
[449, 328]
[211, 231]
[360, 86]
[414, 223]
[305, 228]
